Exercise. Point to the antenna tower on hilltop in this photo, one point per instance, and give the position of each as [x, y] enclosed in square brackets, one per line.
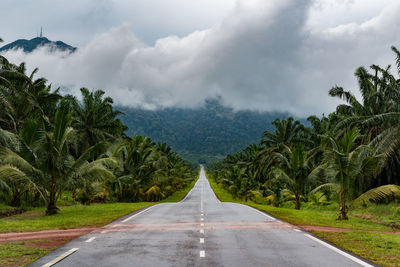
[41, 32]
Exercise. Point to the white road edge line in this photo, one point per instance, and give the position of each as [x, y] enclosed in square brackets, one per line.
[201, 240]
[363, 263]
[266, 215]
[102, 232]
[61, 257]
[202, 253]
[191, 190]
[188, 194]
[90, 239]
[134, 215]
[297, 230]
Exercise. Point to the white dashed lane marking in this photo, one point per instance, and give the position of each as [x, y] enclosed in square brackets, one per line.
[134, 215]
[202, 253]
[90, 239]
[61, 257]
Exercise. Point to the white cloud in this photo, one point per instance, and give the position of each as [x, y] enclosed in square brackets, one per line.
[264, 55]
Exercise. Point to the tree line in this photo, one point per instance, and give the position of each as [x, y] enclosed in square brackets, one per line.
[351, 156]
[200, 134]
[52, 145]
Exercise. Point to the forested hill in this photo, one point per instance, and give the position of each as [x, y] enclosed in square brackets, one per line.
[203, 134]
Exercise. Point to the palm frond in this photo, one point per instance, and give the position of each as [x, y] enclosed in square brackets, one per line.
[379, 194]
[327, 186]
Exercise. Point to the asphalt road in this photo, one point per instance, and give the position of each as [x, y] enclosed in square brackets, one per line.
[199, 231]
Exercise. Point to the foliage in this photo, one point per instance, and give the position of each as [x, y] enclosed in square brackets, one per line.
[386, 246]
[202, 135]
[379, 194]
[69, 217]
[351, 154]
[50, 144]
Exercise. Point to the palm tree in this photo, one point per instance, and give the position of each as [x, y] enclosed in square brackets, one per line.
[377, 115]
[44, 160]
[136, 167]
[377, 93]
[286, 132]
[294, 170]
[348, 164]
[22, 96]
[95, 119]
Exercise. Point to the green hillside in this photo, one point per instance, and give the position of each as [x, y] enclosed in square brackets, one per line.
[202, 134]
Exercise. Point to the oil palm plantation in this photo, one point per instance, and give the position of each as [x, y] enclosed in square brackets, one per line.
[43, 159]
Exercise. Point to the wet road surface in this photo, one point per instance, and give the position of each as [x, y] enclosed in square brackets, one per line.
[198, 231]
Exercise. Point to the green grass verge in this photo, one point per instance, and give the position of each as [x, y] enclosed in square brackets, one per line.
[74, 216]
[69, 217]
[316, 217]
[381, 248]
[20, 253]
[79, 215]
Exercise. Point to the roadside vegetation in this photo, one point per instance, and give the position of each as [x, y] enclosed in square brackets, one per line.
[368, 232]
[69, 158]
[52, 146]
[76, 215]
[340, 170]
[71, 215]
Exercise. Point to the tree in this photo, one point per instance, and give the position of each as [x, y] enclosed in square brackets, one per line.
[44, 160]
[286, 132]
[94, 119]
[294, 170]
[348, 164]
[23, 97]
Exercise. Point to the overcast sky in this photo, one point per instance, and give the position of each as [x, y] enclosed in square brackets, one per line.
[273, 55]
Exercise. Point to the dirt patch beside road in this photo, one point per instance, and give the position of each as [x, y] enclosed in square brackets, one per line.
[47, 234]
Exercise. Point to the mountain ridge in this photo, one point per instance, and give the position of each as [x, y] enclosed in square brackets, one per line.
[29, 45]
[201, 134]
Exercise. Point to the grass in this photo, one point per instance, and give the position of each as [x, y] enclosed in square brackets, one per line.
[20, 253]
[70, 216]
[319, 216]
[79, 215]
[4, 207]
[378, 247]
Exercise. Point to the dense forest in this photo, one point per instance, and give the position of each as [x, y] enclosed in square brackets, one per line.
[351, 156]
[204, 134]
[53, 145]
